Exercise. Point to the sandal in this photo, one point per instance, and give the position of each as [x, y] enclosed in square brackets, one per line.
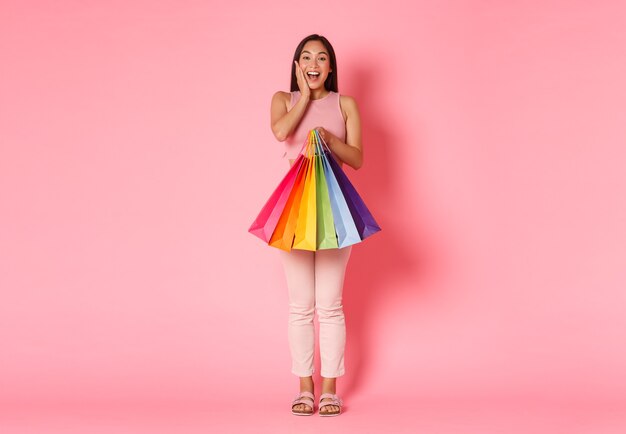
[335, 401]
[306, 398]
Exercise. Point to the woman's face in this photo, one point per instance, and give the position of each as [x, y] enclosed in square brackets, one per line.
[315, 63]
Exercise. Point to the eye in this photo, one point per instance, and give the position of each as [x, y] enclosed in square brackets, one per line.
[305, 57]
[322, 59]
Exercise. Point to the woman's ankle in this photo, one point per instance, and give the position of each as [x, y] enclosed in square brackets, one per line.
[306, 384]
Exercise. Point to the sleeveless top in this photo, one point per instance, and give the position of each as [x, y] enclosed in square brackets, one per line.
[324, 112]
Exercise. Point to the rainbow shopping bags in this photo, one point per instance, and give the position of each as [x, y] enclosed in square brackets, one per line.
[315, 206]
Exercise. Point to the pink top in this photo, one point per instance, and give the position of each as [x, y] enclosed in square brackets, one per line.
[324, 112]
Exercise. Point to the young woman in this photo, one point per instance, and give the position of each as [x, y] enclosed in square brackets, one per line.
[315, 279]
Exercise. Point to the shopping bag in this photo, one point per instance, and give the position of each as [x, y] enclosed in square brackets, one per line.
[361, 215]
[315, 206]
[306, 230]
[326, 234]
[265, 223]
[283, 235]
[347, 233]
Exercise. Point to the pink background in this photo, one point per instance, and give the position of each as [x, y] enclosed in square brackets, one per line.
[136, 151]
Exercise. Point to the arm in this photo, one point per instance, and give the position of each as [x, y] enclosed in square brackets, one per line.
[350, 152]
[283, 121]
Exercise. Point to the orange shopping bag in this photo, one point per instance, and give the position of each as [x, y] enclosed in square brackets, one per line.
[283, 235]
[306, 230]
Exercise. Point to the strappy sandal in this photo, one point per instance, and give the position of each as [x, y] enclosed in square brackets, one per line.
[335, 401]
[306, 398]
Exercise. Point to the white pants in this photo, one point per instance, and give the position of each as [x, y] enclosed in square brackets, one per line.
[315, 283]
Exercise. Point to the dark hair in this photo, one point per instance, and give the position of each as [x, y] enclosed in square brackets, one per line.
[331, 80]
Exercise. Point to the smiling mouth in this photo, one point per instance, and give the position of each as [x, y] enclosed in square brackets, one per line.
[313, 75]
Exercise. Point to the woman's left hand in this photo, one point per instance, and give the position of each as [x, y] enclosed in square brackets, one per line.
[326, 136]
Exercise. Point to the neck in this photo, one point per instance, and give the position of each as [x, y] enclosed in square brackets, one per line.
[319, 93]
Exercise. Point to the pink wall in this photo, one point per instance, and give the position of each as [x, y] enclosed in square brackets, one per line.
[136, 150]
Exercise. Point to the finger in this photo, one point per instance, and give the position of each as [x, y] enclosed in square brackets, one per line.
[300, 73]
[297, 69]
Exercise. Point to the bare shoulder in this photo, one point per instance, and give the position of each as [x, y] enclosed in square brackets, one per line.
[346, 99]
[281, 97]
[348, 105]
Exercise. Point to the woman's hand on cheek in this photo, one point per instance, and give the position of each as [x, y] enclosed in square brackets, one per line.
[303, 85]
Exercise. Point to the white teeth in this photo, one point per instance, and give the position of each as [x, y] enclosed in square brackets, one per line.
[313, 73]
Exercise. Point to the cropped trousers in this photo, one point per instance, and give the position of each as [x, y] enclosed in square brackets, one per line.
[315, 284]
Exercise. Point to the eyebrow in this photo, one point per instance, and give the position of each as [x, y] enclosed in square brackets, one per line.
[321, 52]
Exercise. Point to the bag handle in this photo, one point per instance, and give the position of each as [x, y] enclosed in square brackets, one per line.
[319, 142]
[304, 145]
[314, 144]
[311, 149]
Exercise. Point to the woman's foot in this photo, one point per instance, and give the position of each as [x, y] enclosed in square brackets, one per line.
[328, 409]
[306, 385]
[328, 401]
[306, 399]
